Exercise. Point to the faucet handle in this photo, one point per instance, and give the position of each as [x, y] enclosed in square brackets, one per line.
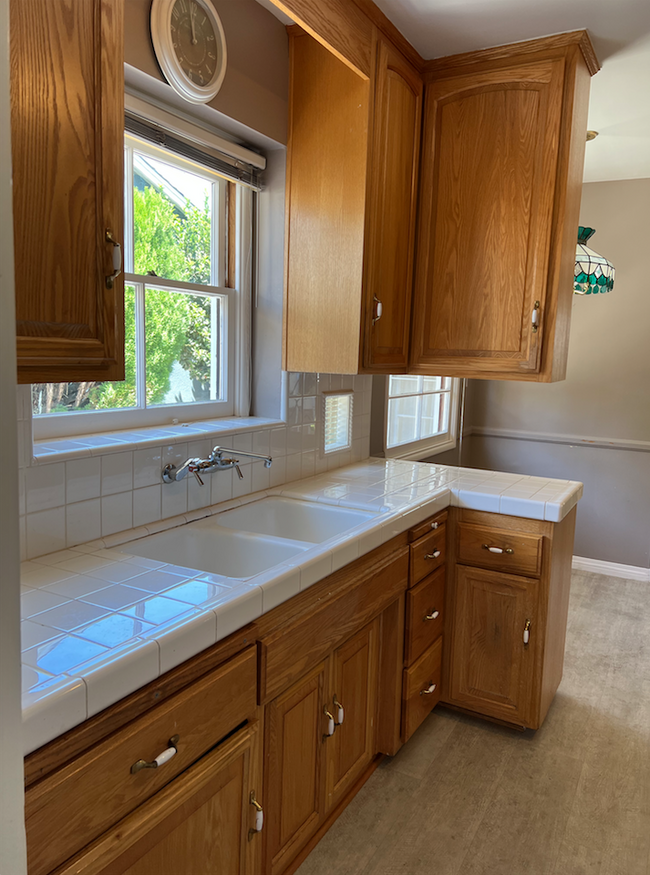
[194, 468]
[238, 469]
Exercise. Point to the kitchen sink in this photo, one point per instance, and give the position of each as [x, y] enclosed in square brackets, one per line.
[204, 545]
[247, 540]
[294, 519]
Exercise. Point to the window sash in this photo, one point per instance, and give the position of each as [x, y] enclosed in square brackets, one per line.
[420, 447]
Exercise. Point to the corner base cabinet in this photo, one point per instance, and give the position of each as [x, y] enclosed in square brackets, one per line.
[507, 607]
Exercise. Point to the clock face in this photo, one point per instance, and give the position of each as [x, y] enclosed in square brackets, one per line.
[190, 46]
[194, 41]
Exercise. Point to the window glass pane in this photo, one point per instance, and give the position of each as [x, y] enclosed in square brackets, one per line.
[404, 385]
[433, 384]
[182, 354]
[90, 396]
[435, 415]
[403, 416]
[338, 422]
[171, 217]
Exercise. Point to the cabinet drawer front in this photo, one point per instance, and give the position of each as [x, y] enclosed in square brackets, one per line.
[433, 524]
[424, 615]
[76, 804]
[521, 552]
[418, 697]
[427, 554]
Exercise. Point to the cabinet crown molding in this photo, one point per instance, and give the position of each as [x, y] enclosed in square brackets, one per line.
[450, 63]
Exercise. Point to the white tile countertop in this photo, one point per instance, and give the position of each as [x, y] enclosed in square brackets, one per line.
[99, 623]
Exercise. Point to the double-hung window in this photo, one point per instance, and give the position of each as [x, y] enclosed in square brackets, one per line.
[181, 307]
[421, 415]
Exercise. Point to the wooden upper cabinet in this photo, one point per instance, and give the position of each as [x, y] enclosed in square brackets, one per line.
[67, 126]
[351, 189]
[503, 146]
[388, 275]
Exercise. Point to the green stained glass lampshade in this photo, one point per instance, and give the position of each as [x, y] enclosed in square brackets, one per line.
[593, 274]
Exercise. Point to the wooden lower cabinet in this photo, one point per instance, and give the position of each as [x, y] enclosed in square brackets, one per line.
[293, 769]
[200, 823]
[320, 739]
[492, 670]
[353, 687]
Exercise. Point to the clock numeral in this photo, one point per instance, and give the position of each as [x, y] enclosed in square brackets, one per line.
[175, 13]
[210, 55]
[210, 39]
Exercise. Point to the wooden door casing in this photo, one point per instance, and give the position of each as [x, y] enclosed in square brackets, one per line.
[353, 683]
[390, 212]
[294, 763]
[490, 154]
[492, 669]
[199, 823]
[67, 126]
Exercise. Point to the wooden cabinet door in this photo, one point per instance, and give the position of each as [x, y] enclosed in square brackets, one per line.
[491, 665]
[294, 763]
[490, 156]
[353, 688]
[390, 220]
[198, 824]
[67, 127]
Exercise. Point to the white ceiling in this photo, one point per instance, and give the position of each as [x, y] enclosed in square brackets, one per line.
[620, 30]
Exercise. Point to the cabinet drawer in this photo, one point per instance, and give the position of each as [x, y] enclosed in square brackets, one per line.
[73, 806]
[521, 553]
[417, 701]
[427, 554]
[432, 524]
[424, 615]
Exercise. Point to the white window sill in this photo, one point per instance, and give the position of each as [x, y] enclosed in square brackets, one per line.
[67, 449]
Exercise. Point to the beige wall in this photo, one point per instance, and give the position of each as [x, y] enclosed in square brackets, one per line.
[255, 88]
[605, 397]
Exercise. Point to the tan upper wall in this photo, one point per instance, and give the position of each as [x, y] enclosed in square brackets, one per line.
[255, 88]
[607, 390]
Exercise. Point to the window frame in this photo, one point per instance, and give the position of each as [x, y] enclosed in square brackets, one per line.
[236, 302]
[431, 446]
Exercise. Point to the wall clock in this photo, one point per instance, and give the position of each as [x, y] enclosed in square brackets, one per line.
[190, 46]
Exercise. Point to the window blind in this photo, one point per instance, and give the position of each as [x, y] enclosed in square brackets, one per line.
[338, 421]
[232, 168]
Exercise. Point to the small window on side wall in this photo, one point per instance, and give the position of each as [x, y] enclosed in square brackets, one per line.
[421, 415]
[337, 421]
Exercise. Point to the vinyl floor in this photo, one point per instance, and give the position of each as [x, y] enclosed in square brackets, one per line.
[465, 797]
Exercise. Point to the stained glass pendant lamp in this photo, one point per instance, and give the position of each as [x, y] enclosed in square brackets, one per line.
[592, 274]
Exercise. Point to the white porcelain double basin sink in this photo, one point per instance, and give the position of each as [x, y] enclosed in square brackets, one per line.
[249, 539]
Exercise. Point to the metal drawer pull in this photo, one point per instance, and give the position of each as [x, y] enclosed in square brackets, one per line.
[434, 525]
[433, 555]
[331, 725]
[527, 632]
[117, 258]
[430, 689]
[259, 816]
[160, 760]
[340, 711]
[432, 616]
[494, 549]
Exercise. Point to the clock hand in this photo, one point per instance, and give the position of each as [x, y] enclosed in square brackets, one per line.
[192, 14]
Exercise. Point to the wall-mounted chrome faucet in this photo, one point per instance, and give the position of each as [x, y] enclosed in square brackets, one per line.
[214, 462]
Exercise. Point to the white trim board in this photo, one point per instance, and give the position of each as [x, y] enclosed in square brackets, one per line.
[574, 440]
[611, 569]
